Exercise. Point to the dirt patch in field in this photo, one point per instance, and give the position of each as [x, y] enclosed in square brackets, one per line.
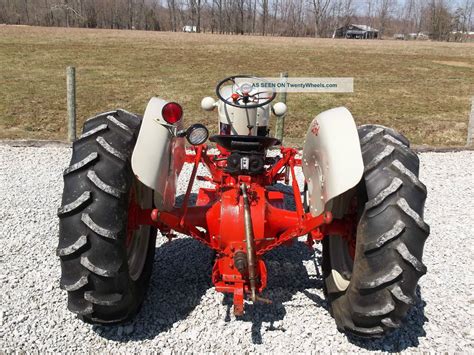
[455, 64]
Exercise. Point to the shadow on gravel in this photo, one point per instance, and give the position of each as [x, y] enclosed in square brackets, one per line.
[287, 276]
[405, 337]
[181, 276]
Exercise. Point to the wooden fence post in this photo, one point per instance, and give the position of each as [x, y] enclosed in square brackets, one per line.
[280, 122]
[470, 126]
[71, 103]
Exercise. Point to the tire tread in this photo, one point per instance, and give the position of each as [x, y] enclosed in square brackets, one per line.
[94, 268]
[391, 237]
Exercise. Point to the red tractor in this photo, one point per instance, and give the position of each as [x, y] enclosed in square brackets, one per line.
[362, 199]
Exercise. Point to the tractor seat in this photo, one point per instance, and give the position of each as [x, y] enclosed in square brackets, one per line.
[245, 143]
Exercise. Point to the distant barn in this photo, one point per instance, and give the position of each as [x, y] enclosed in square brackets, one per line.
[189, 28]
[356, 32]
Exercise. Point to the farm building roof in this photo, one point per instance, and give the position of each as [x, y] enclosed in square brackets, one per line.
[363, 28]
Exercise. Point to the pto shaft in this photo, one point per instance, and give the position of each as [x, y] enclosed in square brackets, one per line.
[250, 243]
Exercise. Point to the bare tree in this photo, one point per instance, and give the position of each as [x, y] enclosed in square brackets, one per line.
[130, 13]
[220, 14]
[172, 14]
[26, 11]
[264, 5]
[463, 17]
[240, 24]
[320, 9]
[198, 5]
[418, 15]
[384, 11]
[343, 12]
[276, 6]
[440, 20]
[370, 12]
[254, 14]
[195, 6]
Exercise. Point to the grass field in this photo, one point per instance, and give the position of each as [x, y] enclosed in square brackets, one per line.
[421, 88]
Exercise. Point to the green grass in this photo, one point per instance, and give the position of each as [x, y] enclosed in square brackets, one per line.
[422, 89]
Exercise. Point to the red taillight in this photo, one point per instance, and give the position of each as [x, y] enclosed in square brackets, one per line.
[172, 112]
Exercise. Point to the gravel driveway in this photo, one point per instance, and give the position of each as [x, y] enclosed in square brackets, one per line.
[182, 310]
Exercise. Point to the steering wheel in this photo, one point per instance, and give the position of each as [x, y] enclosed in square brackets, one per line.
[242, 96]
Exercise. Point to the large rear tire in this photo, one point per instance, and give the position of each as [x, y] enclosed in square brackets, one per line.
[106, 265]
[371, 292]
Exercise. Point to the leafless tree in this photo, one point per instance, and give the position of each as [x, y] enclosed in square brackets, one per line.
[172, 14]
[440, 20]
[384, 10]
[463, 19]
[320, 9]
[195, 6]
[264, 16]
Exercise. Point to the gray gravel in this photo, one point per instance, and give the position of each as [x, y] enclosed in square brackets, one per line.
[183, 312]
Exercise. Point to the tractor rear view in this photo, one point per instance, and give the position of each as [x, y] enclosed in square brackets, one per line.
[362, 199]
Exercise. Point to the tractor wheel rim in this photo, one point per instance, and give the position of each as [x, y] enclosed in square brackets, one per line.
[342, 250]
[341, 261]
[138, 239]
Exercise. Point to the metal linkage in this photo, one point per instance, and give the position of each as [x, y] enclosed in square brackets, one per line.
[197, 159]
[241, 219]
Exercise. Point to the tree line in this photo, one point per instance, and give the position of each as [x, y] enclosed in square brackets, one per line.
[317, 18]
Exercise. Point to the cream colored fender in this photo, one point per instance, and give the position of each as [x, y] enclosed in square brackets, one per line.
[332, 159]
[158, 156]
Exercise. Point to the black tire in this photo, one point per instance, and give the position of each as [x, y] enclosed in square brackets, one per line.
[98, 185]
[391, 233]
